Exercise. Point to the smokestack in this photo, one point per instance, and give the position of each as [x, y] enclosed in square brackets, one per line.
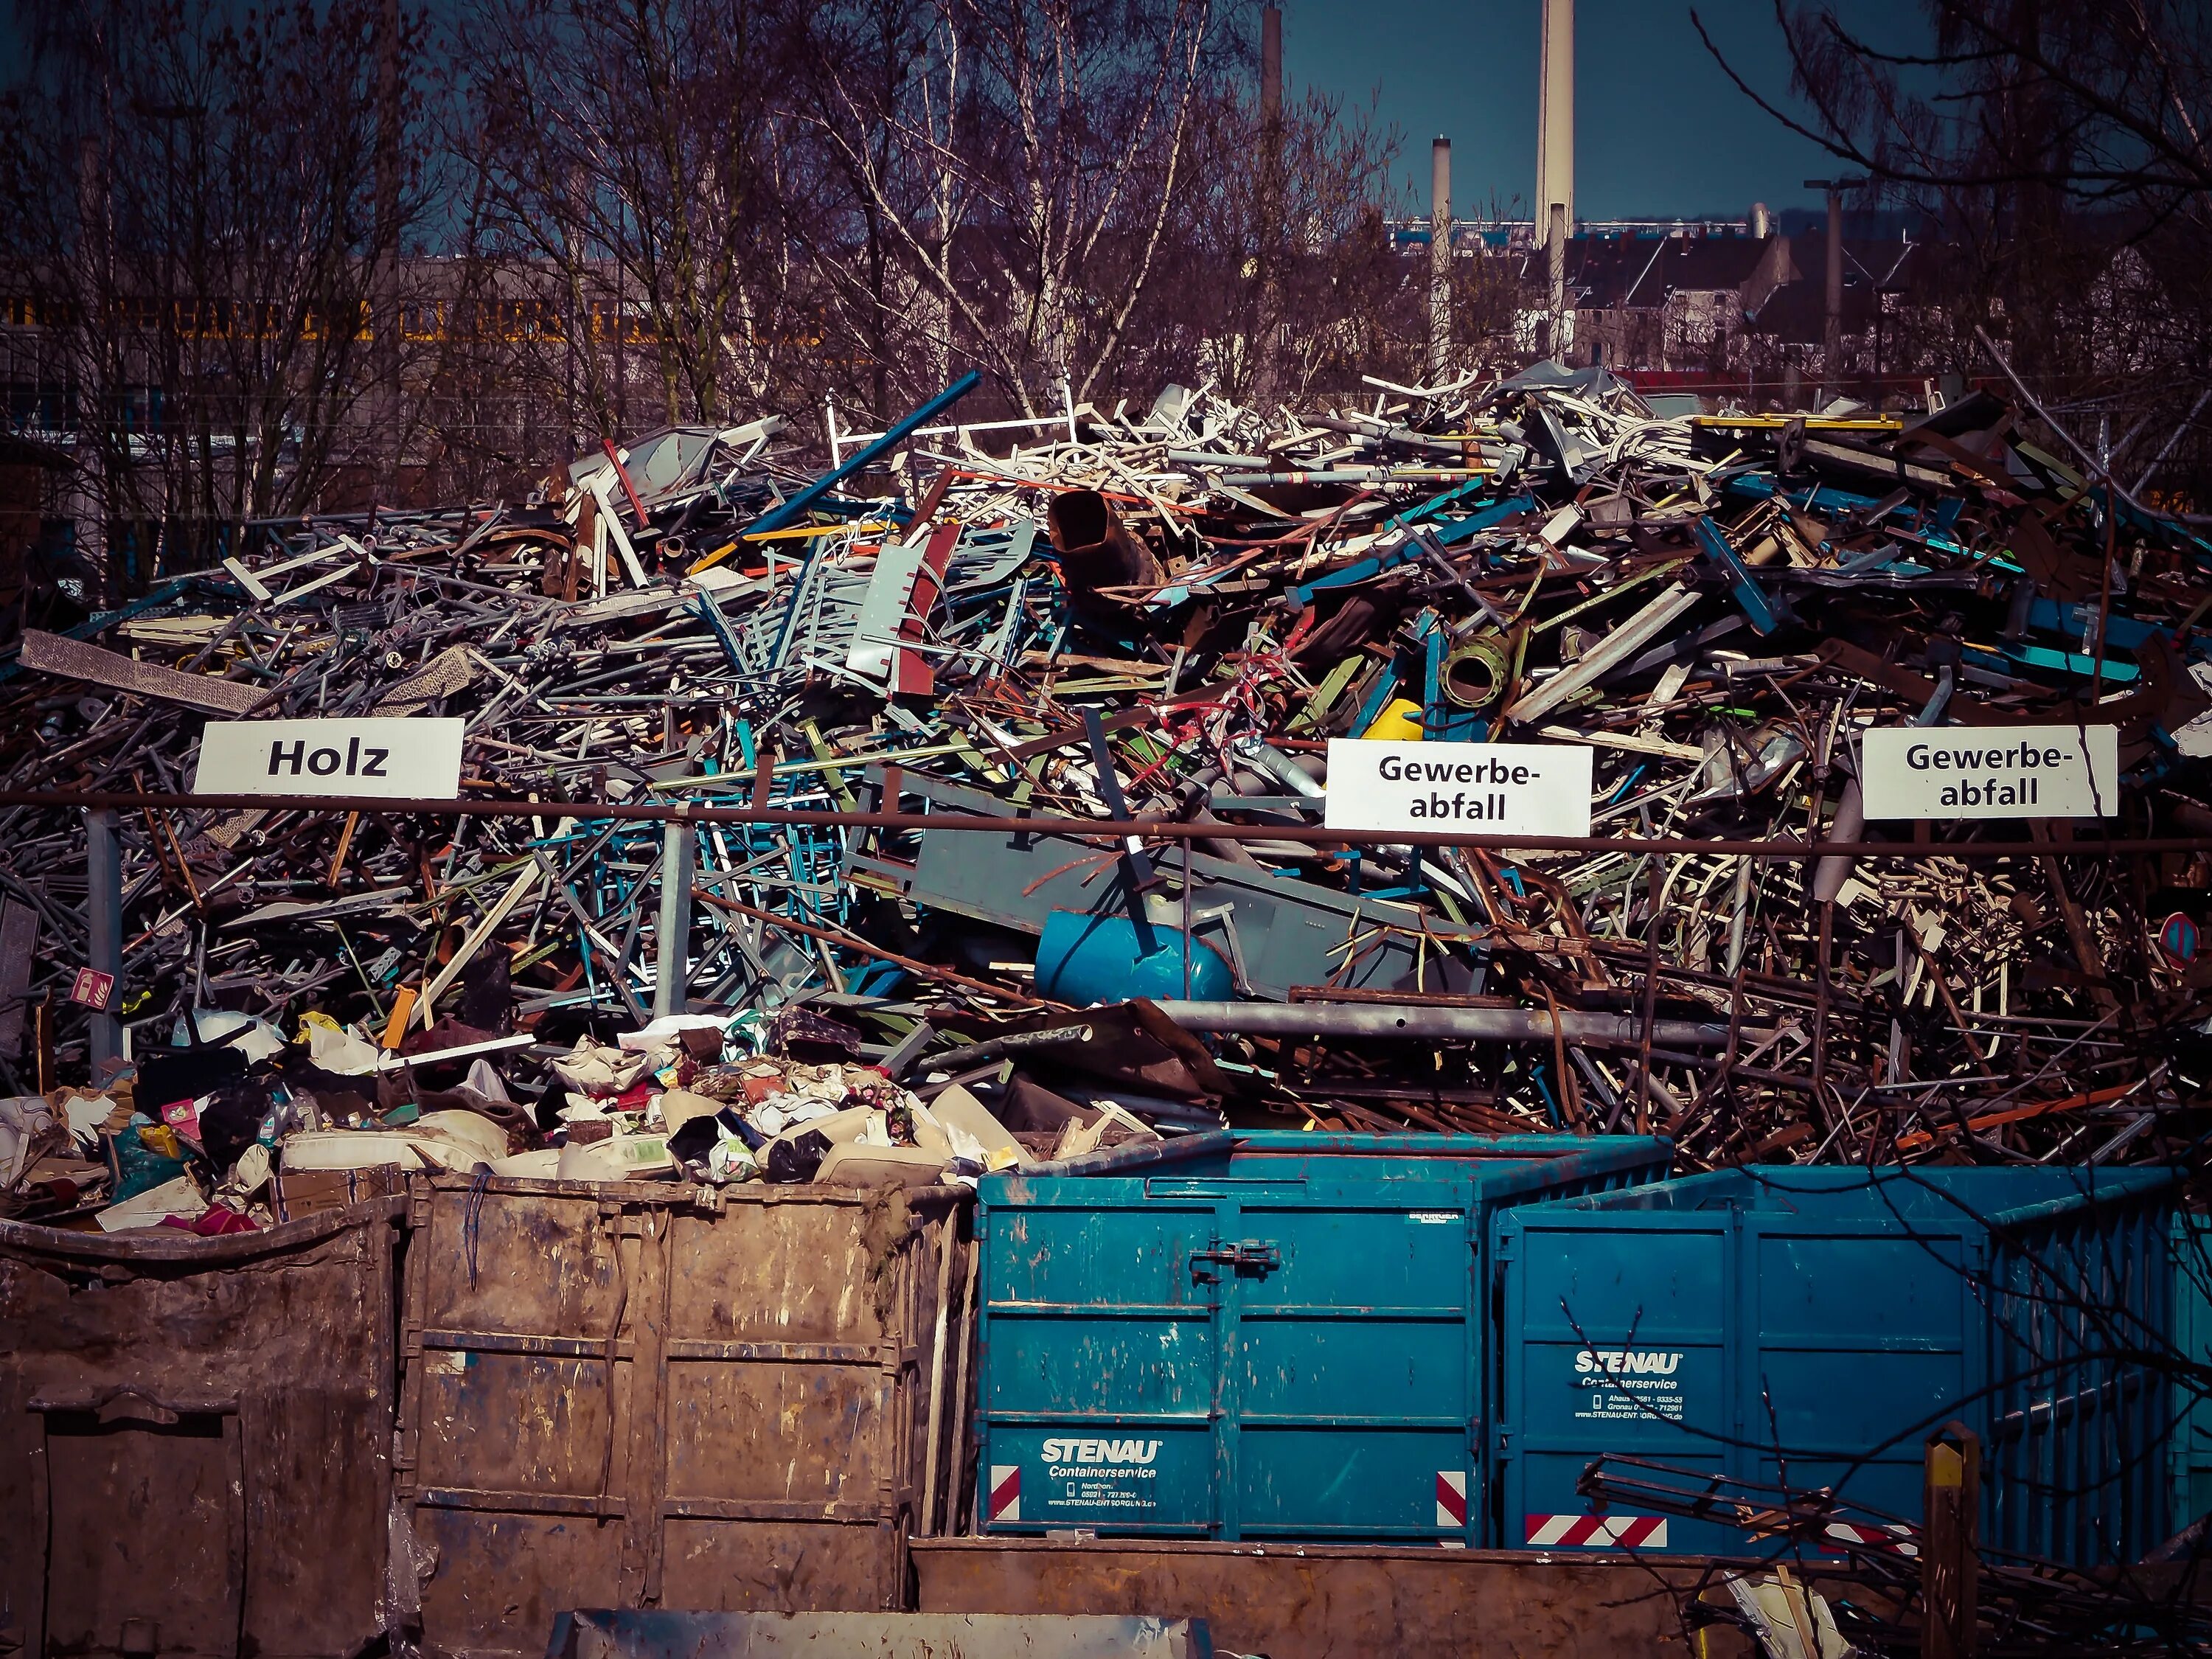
[385, 324]
[1555, 119]
[1831, 337]
[1271, 62]
[1762, 226]
[1557, 251]
[1440, 258]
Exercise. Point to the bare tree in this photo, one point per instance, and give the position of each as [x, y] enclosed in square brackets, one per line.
[208, 277]
[2106, 103]
[630, 160]
[2061, 145]
[1033, 171]
[1284, 266]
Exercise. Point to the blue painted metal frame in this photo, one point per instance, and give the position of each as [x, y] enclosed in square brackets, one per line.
[1253, 1333]
[2190, 1455]
[1809, 1326]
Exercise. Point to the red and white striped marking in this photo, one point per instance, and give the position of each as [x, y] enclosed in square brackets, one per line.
[1842, 1535]
[1451, 1498]
[1006, 1503]
[1627, 1532]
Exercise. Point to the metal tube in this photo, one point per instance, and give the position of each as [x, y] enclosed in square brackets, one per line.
[866, 456]
[1419, 1020]
[858, 461]
[1440, 258]
[1831, 336]
[1106, 829]
[672, 944]
[103, 915]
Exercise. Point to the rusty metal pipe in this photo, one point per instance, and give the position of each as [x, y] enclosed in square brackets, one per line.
[1411, 1019]
[1106, 828]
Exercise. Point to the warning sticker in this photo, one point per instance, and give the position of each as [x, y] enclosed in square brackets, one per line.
[1619, 1384]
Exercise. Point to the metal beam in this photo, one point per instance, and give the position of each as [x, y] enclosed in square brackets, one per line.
[2082, 846]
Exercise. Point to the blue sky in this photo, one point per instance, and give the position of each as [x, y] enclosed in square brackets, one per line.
[1659, 129]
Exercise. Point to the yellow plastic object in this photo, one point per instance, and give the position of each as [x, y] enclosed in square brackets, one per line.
[1399, 722]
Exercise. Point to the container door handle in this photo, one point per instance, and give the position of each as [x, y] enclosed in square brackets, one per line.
[1254, 1255]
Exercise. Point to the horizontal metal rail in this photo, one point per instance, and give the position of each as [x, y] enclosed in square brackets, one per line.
[1109, 829]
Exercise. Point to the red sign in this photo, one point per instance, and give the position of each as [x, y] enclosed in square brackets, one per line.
[93, 988]
[2176, 937]
[183, 1116]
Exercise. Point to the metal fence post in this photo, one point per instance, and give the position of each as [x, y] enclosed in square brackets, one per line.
[670, 984]
[103, 916]
[1949, 1566]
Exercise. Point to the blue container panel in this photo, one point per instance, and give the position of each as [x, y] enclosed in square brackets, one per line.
[1623, 1349]
[1337, 1256]
[1131, 1367]
[1070, 1259]
[1820, 1324]
[2191, 1467]
[2076, 1435]
[1372, 1482]
[1279, 1337]
[1353, 1371]
[1860, 1340]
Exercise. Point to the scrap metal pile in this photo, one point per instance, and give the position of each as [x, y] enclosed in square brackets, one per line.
[1167, 614]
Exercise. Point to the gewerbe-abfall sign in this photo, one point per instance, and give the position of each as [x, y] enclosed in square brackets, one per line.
[406, 759]
[1482, 788]
[1990, 772]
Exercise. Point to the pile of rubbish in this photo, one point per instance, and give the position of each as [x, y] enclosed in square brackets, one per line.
[1162, 615]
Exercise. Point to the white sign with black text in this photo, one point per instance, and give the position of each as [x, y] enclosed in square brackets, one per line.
[1990, 772]
[405, 758]
[1482, 788]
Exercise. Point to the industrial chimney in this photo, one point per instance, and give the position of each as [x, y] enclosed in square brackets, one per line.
[1555, 122]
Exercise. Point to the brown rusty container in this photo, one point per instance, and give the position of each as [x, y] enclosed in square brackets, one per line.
[634, 1394]
[195, 1439]
[1346, 1602]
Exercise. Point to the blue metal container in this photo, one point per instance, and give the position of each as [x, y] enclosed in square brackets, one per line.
[2191, 1451]
[1808, 1327]
[1254, 1334]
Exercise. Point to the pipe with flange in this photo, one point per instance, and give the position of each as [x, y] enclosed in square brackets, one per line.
[1418, 1020]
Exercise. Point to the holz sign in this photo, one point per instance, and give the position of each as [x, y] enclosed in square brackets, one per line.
[1482, 788]
[1991, 772]
[403, 759]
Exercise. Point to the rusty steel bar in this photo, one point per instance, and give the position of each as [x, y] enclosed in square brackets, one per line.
[1157, 829]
